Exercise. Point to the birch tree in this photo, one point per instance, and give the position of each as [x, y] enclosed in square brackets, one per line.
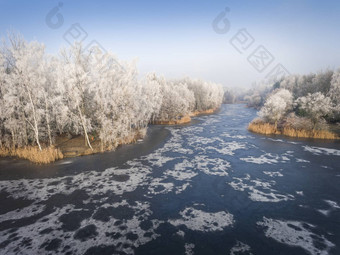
[26, 79]
[74, 82]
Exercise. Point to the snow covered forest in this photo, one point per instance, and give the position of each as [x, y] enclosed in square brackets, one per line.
[88, 93]
[301, 102]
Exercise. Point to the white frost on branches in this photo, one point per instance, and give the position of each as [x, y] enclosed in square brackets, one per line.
[89, 93]
[315, 106]
[277, 105]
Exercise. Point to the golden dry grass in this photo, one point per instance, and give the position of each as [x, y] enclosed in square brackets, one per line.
[209, 111]
[66, 148]
[33, 154]
[319, 134]
[260, 127]
[183, 120]
[263, 128]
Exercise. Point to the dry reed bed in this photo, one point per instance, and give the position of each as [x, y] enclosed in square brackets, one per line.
[33, 154]
[51, 154]
[270, 129]
[185, 119]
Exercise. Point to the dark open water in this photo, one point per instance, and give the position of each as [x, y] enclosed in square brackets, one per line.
[206, 188]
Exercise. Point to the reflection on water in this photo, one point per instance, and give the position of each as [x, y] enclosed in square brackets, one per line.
[207, 188]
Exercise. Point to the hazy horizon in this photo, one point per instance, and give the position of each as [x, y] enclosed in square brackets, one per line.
[178, 39]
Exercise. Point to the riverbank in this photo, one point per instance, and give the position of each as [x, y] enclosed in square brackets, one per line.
[185, 119]
[260, 127]
[16, 168]
[74, 147]
[66, 148]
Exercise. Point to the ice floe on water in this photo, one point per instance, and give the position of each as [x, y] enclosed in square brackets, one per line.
[116, 226]
[267, 158]
[25, 212]
[65, 162]
[189, 248]
[324, 212]
[320, 150]
[182, 171]
[234, 136]
[226, 148]
[299, 160]
[296, 233]
[115, 180]
[158, 187]
[259, 190]
[281, 141]
[240, 248]
[299, 193]
[273, 174]
[332, 207]
[180, 189]
[199, 220]
[211, 166]
[333, 204]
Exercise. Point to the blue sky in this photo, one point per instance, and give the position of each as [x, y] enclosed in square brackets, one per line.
[176, 38]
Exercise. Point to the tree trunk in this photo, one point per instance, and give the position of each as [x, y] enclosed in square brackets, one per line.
[25, 130]
[48, 120]
[13, 139]
[36, 131]
[84, 127]
[101, 146]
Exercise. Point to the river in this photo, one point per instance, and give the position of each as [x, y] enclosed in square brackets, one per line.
[210, 187]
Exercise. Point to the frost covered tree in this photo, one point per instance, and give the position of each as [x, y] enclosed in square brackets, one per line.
[316, 106]
[207, 95]
[74, 82]
[116, 94]
[177, 99]
[2, 105]
[23, 90]
[276, 106]
[334, 94]
[89, 93]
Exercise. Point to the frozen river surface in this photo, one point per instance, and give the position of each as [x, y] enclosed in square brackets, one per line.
[206, 188]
